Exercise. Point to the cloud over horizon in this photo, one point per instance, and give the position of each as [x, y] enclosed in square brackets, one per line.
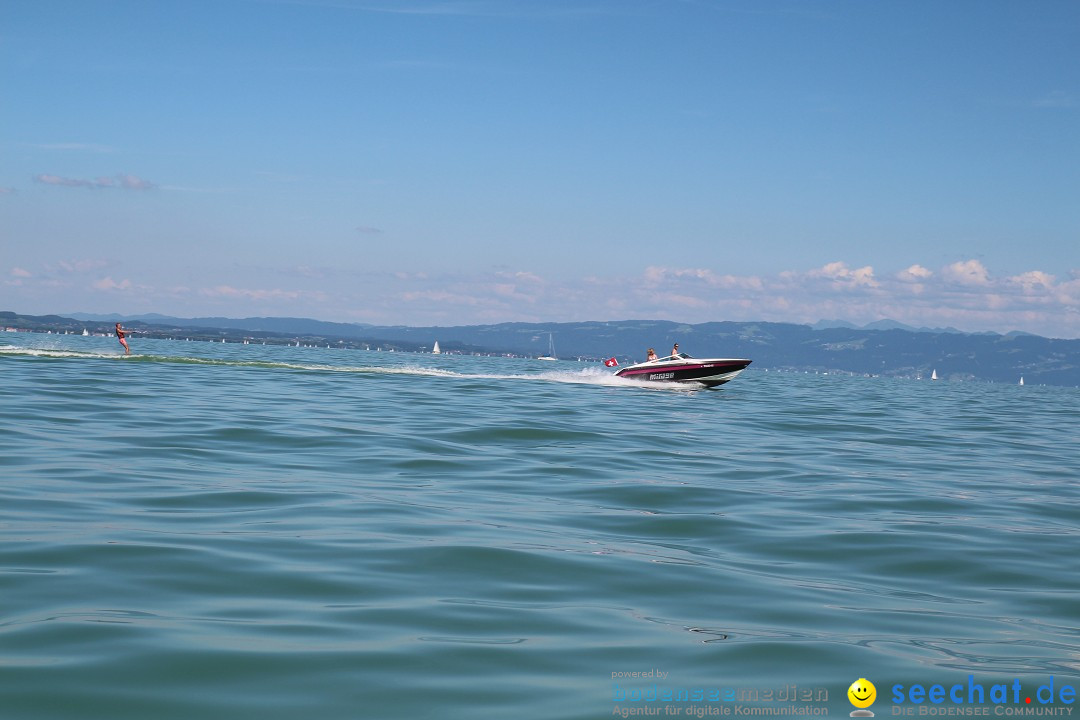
[963, 294]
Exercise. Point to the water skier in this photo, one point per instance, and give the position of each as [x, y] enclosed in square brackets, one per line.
[120, 333]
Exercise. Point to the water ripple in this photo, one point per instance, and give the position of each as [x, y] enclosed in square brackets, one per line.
[285, 532]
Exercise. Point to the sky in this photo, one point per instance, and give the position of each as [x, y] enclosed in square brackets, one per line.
[452, 162]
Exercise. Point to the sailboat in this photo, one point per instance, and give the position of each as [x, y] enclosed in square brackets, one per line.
[551, 350]
[435, 350]
[933, 375]
[1021, 379]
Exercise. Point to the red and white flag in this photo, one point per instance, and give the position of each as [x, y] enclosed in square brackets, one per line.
[611, 362]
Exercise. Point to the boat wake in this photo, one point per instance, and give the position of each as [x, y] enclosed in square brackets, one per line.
[582, 376]
[50, 353]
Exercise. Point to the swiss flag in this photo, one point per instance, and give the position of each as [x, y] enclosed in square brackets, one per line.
[611, 362]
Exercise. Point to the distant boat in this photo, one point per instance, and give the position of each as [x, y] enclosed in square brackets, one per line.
[84, 332]
[551, 350]
[435, 350]
[933, 375]
[1021, 379]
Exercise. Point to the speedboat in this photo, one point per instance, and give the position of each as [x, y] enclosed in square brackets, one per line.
[683, 368]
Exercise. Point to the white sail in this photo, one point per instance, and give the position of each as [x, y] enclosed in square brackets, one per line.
[435, 350]
[933, 375]
[551, 350]
[1021, 379]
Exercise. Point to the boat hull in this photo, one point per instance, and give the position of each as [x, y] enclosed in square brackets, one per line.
[709, 373]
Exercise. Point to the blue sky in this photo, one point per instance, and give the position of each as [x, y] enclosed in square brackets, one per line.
[472, 161]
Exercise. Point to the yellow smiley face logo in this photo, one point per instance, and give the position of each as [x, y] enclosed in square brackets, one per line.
[862, 693]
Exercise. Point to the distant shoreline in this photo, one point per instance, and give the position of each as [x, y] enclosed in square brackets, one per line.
[890, 352]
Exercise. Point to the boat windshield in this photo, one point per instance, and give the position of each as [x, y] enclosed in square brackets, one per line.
[677, 356]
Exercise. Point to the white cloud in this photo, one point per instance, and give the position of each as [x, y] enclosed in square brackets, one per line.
[121, 181]
[133, 182]
[843, 276]
[963, 294]
[1033, 281]
[915, 273]
[81, 266]
[109, 285]
[47, 179]
[661, 275]
[967, 272]
[1068, 293]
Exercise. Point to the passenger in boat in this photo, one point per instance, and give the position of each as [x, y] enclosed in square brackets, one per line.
[651, 356]
[120, 336]
[675, 350]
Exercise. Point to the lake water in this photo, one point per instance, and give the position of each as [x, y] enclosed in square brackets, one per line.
[238, 531]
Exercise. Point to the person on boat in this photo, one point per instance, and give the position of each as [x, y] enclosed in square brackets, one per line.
[120, 333]
[675, 350]
[651, 357]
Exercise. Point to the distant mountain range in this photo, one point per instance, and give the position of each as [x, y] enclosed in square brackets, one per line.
[894, 325]
[884, 348]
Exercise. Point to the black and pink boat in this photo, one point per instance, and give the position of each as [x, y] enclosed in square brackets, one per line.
[682, 368]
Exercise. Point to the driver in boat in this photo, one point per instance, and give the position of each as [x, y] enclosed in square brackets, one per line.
[675, 350]
[651, 357]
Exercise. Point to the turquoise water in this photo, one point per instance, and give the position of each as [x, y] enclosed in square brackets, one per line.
[237, 531]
